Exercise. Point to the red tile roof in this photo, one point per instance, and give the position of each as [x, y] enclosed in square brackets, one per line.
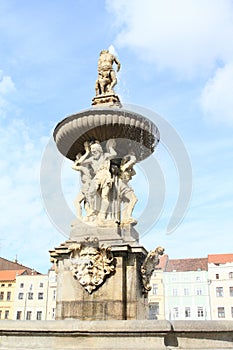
[12, 265]
[162, 262]
[182, 265]
[10, 275]
[220, 258]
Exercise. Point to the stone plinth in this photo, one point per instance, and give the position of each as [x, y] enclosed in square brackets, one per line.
[113, 234]
[120, 297]
[109, 100]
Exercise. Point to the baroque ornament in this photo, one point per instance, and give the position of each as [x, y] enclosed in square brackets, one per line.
[91, 264]
[148, 267]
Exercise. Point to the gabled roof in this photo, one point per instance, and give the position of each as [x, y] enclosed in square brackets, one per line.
[12, 265]
[183, 265]
[220, 258]
[10, 275]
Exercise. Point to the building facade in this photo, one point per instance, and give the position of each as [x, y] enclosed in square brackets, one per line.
[9, 271]
[7, 290]
[185, 290]
[35, 297]
[220, 269]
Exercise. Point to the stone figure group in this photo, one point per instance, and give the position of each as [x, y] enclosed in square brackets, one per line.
[105, 194]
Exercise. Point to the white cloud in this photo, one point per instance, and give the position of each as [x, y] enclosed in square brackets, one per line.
[216, 100]
[6, 84]
[187, 36]
[7, 87]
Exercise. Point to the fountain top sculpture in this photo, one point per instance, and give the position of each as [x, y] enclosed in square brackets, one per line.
[107, 120]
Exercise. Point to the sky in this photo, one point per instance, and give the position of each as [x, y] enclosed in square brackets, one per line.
[176, 62]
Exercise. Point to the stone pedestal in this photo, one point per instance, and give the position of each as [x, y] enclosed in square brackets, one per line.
[110, 99]
[120, 297]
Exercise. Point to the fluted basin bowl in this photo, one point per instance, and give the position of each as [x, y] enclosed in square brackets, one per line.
[133, 132]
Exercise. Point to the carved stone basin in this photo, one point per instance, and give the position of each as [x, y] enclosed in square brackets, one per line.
[132, 132]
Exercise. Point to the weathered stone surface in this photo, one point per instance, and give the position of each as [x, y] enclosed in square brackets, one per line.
[119, 297]
[156, 335]
[107, 235]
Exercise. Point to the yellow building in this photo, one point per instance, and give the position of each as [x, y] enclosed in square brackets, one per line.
[7, 290]
[9, 270]
[156, 294]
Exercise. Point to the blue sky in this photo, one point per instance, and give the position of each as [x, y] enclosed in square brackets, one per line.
[177, 60]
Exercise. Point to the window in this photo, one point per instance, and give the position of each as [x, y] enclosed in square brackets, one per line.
[200, 311]
[187, 312]
[21, 285]
[39, 315]
[40, 296]
[8, 296]
[10, 285]
[20, 296]
[230, 274]
[174, 292]
[53, 313]
[18, 315]
[186, 291]
[30, 296]
[3, 285]
[54, 294]
[198, 278]
[0, 314]
[231, 291]
[153, 311]
[6, 314]
[155, 289]
[217, 276]
[29, 315]
[175, 312]
[41, 284]
[232, 311]
[219, 291]
[1, 295]
[221, 312]
[199, 291]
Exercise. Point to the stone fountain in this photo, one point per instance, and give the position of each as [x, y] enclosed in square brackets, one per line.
[103, 272]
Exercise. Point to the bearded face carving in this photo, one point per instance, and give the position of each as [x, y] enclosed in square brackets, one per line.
[91, 264]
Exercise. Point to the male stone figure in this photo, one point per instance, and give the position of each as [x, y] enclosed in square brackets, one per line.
[101, 181]
[106, 74]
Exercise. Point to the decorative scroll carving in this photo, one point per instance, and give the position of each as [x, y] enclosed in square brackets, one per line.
[148, 267]
[91, 264]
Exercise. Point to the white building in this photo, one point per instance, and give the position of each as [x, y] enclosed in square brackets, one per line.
[35, 297]
[186, 290]
[220, 268]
